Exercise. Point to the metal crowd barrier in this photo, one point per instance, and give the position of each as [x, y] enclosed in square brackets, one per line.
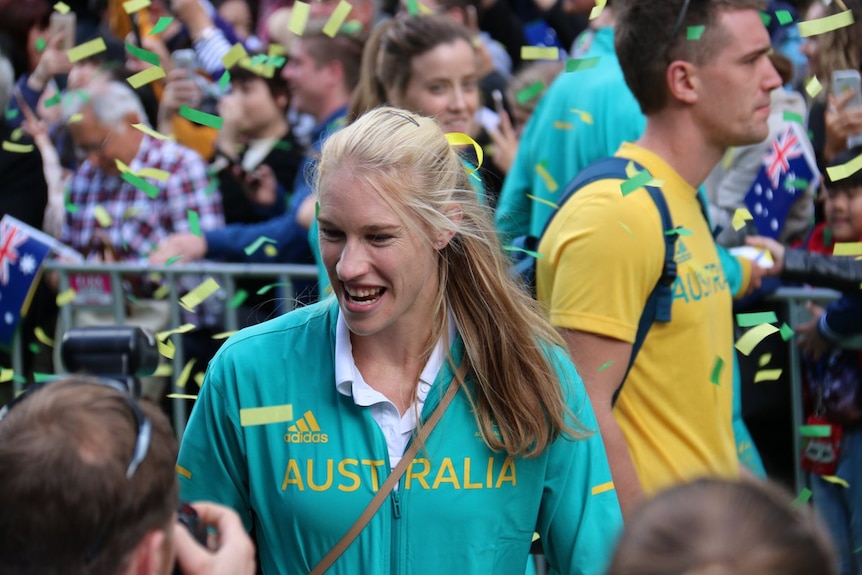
[225, 274]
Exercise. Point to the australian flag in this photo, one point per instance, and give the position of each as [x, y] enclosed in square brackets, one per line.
[787, 170]
[21, 258]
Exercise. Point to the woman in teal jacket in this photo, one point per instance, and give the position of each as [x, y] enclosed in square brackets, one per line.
[301, 419]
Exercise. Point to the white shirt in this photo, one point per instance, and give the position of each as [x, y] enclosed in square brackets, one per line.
[348, 381]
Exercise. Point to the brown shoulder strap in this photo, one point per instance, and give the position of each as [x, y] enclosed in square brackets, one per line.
[393, 478]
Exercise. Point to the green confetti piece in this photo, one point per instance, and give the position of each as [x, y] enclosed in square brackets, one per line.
[797, 184]
[277, 61]
[40, 44]
[412, 7]
[256, 244]
[141, 54]
[637, 181]
[524, 251]
[173, 260]
[238, 299]
[803, 497]
[679, 231]
[194, 222]
[161, 25]
[786, 332]
[266, 288]
[784, 17]
[150, 189]
[12, 113]
[857, 550]
[715, 378]
[581, 64]
[606, 365]
[132, 299]
[34, 348]
[815, 430]
[694, 32]
[793, 117]
[316, 209]
[54, 100]
[224, 80]
[43, 377]
[211, 187]
[201, 118]
[283, 145]
[258, 59]
[766, 18]
[530, 92]
[756, 318]
[352, 27]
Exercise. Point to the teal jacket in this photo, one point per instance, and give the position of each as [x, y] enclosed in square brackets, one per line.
[459, 508]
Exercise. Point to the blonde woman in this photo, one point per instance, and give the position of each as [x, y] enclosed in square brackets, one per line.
[422, 295]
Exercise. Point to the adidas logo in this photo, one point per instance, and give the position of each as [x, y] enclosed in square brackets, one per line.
[305, 430]
[682, 254]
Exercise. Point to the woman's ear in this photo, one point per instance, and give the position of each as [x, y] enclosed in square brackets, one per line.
[454, 215]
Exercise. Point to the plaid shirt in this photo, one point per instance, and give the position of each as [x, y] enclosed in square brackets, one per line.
[138, 222]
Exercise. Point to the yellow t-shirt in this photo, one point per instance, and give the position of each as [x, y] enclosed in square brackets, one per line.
[603, 254]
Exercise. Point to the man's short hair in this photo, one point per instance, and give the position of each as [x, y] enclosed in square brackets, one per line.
[650, 34]
[276, 84]
[343, 47]
[68, 505]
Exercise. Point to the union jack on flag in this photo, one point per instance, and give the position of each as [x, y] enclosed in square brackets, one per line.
[787, 170]
[21, 256]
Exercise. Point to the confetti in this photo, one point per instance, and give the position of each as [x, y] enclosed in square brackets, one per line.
[87, 49]
[161, 25]
[238, 299]
[803, 497]
[183, 471]
[17, 148]
[694, 32]
[815, 430]
[166, 348]
[66, 297]
[764, 359]
[523, 251]
[150, 132]
[150, 189]
[54, 100]
[767, 375]
[740, 216]
[827, 24]
[606, 365]
[102, 216]
[40, 44]
[784, 17]
[132, 6]
[224, 334]
[797, 184]
[164, 370]
[144, 55]
[268, 287]
[548, 178]
[62, 7]
[636, 182]
[459, 139]
[581, 64]
[836, 480]
[299, 17]
[234, 55]
[604, 487]
[626, 228]
[194, 222]
[11, 113]
[793, 117]
[224, 80]
[256, 244]
[43, 337]
[728, 160]
[339, 15]
[530, 92]
[162, 292]
[715, 378]
[183, 378]
[548, 203]
[563, 126]
[813, 87]
[6, 375]
[847, 249]
[754, 336]
[265, 415]
[154, 173]
[201, 118]
[181, 396]
[845, 170]
[185, 328]
[679, 231]
[173, 260]
[786, 332]
[270, 250]
[595, 13]
[756, 318]
[194, 298]
[145, 77]
[540, 53]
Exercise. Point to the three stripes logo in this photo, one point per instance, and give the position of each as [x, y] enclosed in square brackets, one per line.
[305, 430]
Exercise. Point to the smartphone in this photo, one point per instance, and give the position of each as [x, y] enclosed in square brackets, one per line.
[842, 82]
[64, 23]
[185, 59]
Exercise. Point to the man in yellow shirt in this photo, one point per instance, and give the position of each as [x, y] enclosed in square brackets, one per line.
[701, 75]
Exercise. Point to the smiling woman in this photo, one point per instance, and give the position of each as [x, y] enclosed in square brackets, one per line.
[424, 312]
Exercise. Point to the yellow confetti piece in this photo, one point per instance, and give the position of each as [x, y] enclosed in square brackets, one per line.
[597, 9]
[102, 216]
[164, 370]
[194, 298]
[6, 375]
[539, 53]
[43, 337]
[75, 118]
[827, 24]
[122, 167]
[740, 216]
[547, 177]
[17, 148]
[224, 334]
[265, 415]
[181, 396]
[183, 378]
[185, 328]
[626, 228]
[754, 336]
[270, 250]
[813, 87]
[183, 471]
[767, 375]
[162, 292]
[836, 480]
[585, 117]
[150, 132]
[62, 7]
[548, 203]
[87, 49]
[459, 139]
[728, 158]
[609, 486]
[847, 249]
[66, 297]
[132, 6]
[339, 15]
[234, 55]
[299, 17]
[146, 76]
[199, 378]
[155, 174]
[563, 125]
[166, 348]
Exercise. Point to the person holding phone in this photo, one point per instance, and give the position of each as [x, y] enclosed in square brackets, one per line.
[844, 114]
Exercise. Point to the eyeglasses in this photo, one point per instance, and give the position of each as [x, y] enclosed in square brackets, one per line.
[142, 442]
[679, 20]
